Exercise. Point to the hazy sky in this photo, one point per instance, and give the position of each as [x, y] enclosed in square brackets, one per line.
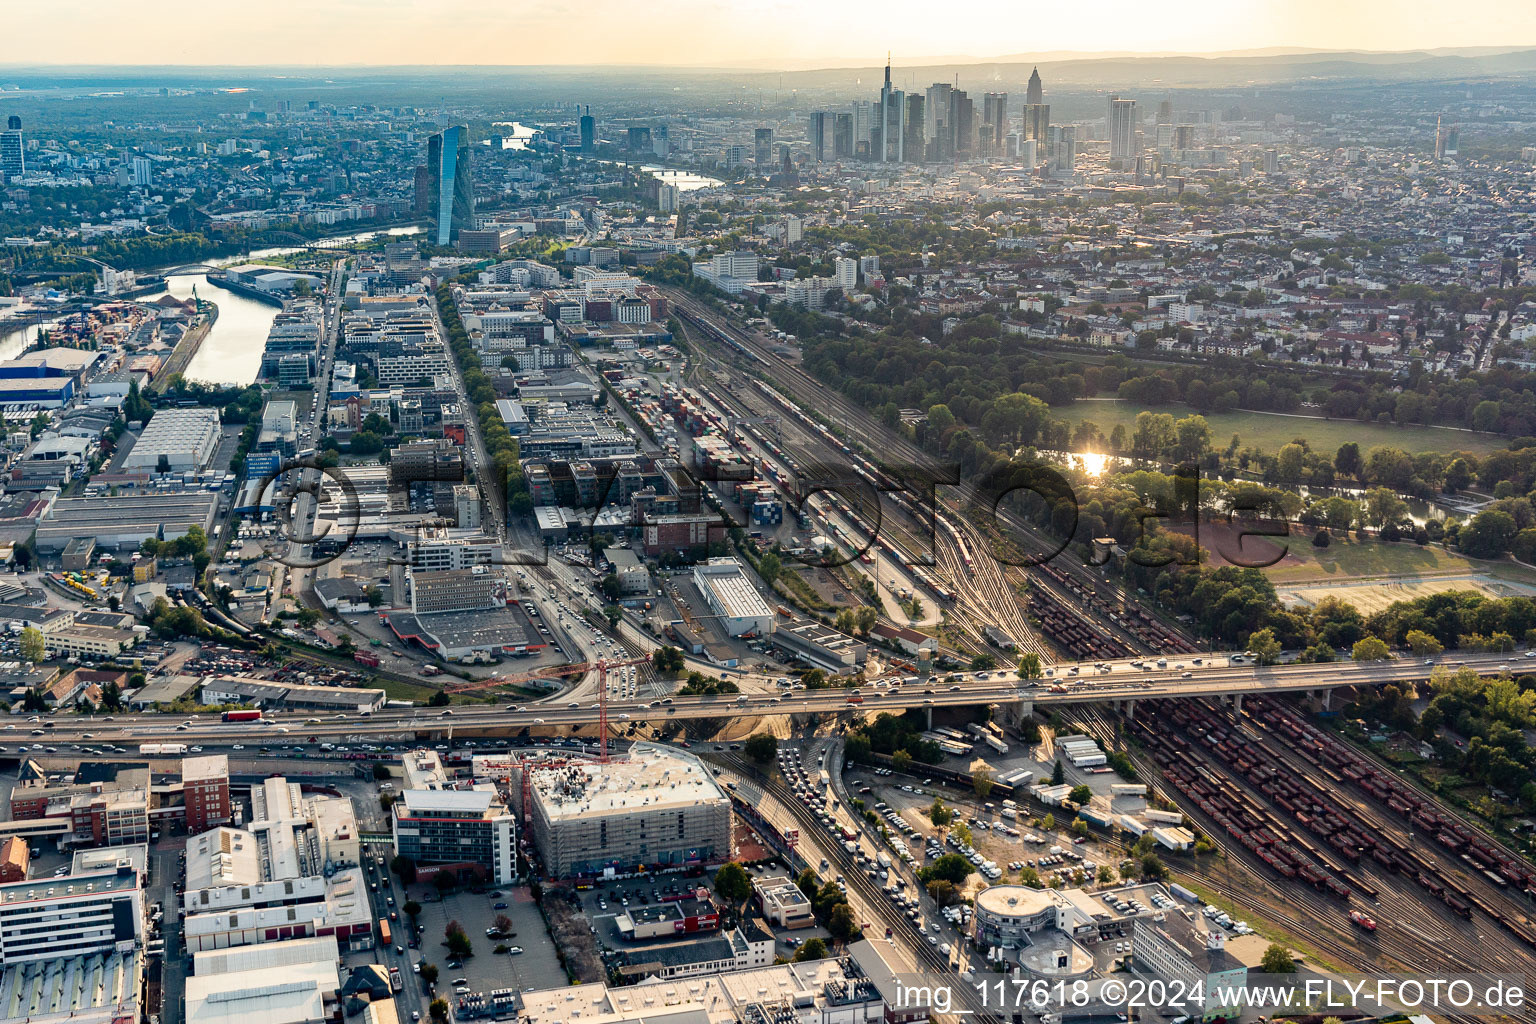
[723, 33]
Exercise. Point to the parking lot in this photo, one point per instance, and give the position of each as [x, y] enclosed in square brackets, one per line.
[537, 967]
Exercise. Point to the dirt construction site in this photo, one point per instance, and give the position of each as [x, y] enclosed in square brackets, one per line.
[1372, 595]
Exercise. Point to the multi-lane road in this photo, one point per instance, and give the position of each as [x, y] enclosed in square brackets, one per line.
[1116, 681]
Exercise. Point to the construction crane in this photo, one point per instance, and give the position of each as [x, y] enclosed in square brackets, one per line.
[580, 668]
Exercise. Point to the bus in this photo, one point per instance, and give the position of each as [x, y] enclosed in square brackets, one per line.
[384, 932]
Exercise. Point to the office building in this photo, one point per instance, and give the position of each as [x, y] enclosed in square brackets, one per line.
[915, 143]
[1190, 955]
[463, 831]
[205, 791]
[143, 172]
[661, 808]
[89, 913]
[737, 606]
[994, 106]
[962, 125]
[1122, 130]
[451, 203]
[457, 590]
[588, 132]
[762, 147]
[863, 115]
[1063, 148]
[817, 135]
[1165, 112]
[13, 153]
[842, 136]
[887, 135]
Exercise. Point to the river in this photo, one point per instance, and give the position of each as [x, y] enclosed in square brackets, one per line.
[231, 353]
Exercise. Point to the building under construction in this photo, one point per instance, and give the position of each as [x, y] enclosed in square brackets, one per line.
[659, 809]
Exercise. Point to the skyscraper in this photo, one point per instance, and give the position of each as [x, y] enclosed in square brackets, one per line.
[1165, 112]
[863, 112]
[13, 155]
[936, 132]
[452, 199]
[816, 135]
[962, 121]
[762, 140]
[888, 137]
[994, 116]
[842, 137]
[588, 132]
[1034, 93]
[1037, 122]
[1122, 129]
[912, 145]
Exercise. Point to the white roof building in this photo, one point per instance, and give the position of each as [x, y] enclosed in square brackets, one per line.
[276, 983]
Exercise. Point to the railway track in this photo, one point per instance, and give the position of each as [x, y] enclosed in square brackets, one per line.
[928, 958]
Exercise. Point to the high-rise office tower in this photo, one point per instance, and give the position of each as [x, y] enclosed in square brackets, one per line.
[640, 139]
[661, 140]
[1165, 112]
[588, 132]
[912, 146]
[1034, 93]
[143, 172]
[452, 200]
[816, 135]
[423, 191]
[1453, 140]
[886, 142]
[936, 131]
[842, 136]
[863, 112]
[994, 117]
[962, 120]
[1122, 129]
[1037, 122]
[13, 155]
[762, 147]
[1063, 148]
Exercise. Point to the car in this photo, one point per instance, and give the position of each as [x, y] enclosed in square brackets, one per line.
[514, 950]
[400, 951]
[500, 906]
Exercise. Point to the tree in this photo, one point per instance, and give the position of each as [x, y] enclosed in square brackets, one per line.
[412, 909]
[1370, 648]
[733, 884]
[440, 699]
[901, 761]
[611, 587]
[1277, 960]
[1423, 644]
[1152, 868]
[813, 949]
[1489, 534]
[951, 867]
[1106, 874]
[429, 974]
[668, 660]
[1058, 774]
[439, 1011]
[32, 647]
[459, 944]
[982, 781]
[761, 747]
[405, 867]
[1080, 795]
[444, 881]
[502, 924]
[1029, 666]
[841, 922]
[1265, 648]
[380, 771]
[939, 814]
[943, 892]
[769, 567]
[613, 613]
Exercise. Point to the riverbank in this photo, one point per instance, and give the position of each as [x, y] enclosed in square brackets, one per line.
[218, 279]
[185, 349]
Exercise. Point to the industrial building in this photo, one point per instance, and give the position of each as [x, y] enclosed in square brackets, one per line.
[263, 693]
[819, 646]
[1190, 956]
[781, 902]
[175, 441]
[291, 982]
[125, 520]
[660, 808]
[730, 594]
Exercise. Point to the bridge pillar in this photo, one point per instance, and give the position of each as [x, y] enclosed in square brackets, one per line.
[1237, 703]
[1328, 699]
[929, 712]
[1026, 708]
[1130, 709]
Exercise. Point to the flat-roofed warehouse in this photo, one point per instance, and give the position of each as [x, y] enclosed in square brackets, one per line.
[659, 808]
[819, 645]
[728, 590]
[125, 521]
[185, 438]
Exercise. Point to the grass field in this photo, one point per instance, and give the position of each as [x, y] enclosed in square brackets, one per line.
[1371, 596]
[1268, 431]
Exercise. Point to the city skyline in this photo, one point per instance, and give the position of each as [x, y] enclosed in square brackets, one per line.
[682, 32]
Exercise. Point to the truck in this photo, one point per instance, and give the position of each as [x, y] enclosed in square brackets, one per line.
[384, 935]
[395, 981]
[365, 658]
[430, 669]
[242, 716]
[855, 698]
[884, 859]
[162, 748]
